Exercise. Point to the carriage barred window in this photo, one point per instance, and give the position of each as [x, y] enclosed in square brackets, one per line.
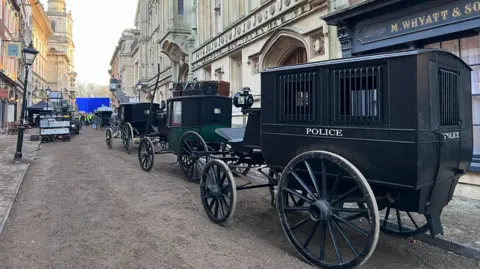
[357, 96]
[448, 86]
[296, 97]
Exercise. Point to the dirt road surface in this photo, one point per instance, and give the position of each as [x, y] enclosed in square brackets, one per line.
[82, 205]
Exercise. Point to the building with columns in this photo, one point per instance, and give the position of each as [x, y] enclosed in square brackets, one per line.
[228, 40]
[61, 73]
[123, 66]
[41, 31]
[236, 40]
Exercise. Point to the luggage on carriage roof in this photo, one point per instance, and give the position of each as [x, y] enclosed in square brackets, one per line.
[221, 88]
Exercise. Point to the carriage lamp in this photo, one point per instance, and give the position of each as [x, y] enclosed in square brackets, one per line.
[139, 86]
[29, 55]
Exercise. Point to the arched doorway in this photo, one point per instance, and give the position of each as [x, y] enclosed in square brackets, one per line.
[297, 55]
[284, 48]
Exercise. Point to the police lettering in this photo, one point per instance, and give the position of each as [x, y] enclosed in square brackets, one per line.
[324, 132]
[451, 135]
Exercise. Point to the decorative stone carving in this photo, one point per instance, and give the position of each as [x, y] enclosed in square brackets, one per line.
[259, 18]
[255, 66]
[318, 44]
[255, 25]
[272, 10]
[344, 33]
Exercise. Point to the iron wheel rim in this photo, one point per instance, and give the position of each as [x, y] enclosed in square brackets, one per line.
[146, 154]
[108, 138]
[218, 185]
[321, 210]
[188, 156]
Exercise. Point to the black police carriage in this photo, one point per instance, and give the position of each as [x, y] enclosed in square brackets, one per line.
[134, 124]
[345, 139]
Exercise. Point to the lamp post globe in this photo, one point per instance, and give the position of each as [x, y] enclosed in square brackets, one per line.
[29, 54]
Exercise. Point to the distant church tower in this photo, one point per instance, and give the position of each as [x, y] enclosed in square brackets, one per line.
[61, 42]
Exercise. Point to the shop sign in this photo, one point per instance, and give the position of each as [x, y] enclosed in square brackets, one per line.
[3, 93]
[440, 15]
[13, 49]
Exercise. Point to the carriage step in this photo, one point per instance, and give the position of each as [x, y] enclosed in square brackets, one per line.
[434, 225]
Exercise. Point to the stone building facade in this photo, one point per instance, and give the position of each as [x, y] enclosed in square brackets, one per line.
[41, 33]
[227, 40]
[61, 73]
[124, 64]
[236, 40]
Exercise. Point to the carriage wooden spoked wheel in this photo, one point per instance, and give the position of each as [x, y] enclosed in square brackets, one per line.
[192, 155]
[218, 191]
[399, 223]
[127, 137]
[330, 181]
[146, 154]
[109, 138]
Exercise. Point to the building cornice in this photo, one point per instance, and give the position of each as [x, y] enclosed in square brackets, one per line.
[257, 24]
[41, 18]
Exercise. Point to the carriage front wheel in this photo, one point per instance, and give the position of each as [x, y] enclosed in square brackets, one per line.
[109, 138]
[329, 181]
[192, 155]
[146, 154]
[218, 191]
[127, 137]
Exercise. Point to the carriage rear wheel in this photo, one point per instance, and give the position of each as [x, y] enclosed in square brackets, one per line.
[189, 155]
[218, 191]
[146, 154]
[109, 138]
[329, 181]
[45, 139]
[127, 137]
[402, 223]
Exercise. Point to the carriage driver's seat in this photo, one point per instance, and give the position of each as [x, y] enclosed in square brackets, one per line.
[247, 136]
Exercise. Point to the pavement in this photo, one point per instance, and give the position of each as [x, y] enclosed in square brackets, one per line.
[11, 175]
[82, 205]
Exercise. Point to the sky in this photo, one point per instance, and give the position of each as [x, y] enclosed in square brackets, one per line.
[97, 26]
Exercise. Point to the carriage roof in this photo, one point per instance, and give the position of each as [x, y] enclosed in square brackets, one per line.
[355, 59]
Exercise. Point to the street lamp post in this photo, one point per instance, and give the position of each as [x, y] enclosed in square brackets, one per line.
[48, 91]
[29, 55]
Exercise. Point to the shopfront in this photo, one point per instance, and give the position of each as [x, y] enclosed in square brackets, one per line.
[390, 25]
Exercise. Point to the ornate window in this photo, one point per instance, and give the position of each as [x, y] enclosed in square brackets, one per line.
[181, 8]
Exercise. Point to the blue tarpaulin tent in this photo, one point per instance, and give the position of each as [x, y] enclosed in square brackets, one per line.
[91, 104]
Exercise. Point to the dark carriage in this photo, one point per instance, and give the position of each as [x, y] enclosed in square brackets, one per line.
[189, 122]
[347, 138]
[133, 123]
[103, 115]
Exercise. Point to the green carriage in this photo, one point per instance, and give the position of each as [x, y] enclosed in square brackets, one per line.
[192, 115]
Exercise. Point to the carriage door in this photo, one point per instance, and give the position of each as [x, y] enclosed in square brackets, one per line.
[449, 122]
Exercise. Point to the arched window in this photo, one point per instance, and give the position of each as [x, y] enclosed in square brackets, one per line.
[181, 8]
[53, 26]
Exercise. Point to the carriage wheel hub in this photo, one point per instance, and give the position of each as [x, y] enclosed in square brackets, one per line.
[216, 191]
[320, 210]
